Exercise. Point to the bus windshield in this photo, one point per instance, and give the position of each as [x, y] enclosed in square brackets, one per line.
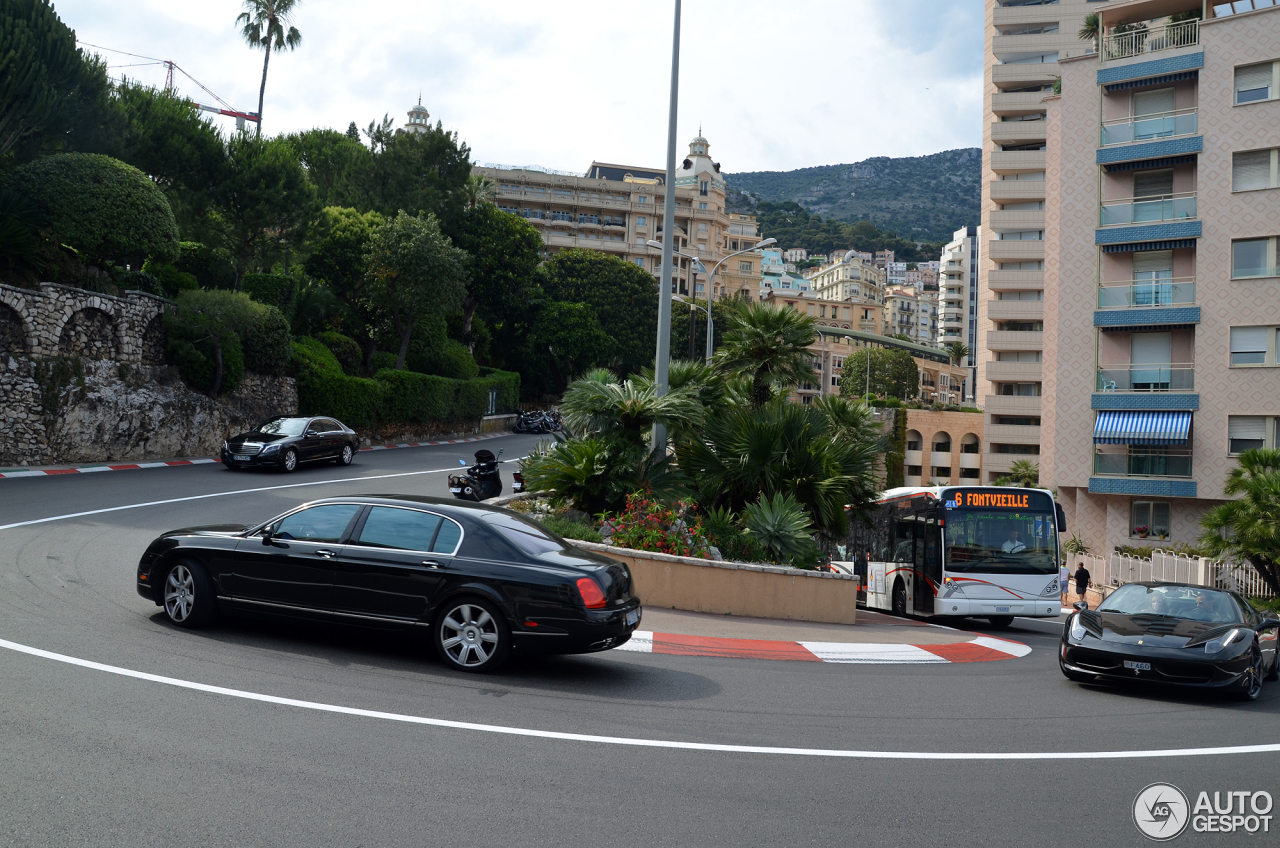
[1000, 542]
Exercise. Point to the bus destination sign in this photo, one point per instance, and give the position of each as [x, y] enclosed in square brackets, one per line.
[995, 499]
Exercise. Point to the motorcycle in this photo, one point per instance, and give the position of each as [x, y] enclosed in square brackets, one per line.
[482, 480]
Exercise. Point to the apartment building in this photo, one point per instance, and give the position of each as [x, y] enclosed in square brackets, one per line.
[912, 313]
[854, 279]
[838, 340]
[795, 254]
[958, 290]
[616, 209]
[1162, 314]
[1025, 39]
[943, 448]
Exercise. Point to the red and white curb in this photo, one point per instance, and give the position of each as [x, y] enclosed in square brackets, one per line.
[130, 466]
[981, 649]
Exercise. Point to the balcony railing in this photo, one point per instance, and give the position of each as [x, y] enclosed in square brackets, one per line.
[1147, 127]
[1139, 293]
[1175, 377]
[1144, 462]
[1145, 210]
[1145, 39]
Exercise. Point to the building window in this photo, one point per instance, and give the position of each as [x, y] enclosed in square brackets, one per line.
[1254, 169]
[745, 266]
[642, 199]
[1253, 346]
[702, 226]
[1246, 432]
[1018, 389]
[1253, 258]
[639, 260]
[913, 470]
[642, 221]
[970, 474]
[702, 206]
[1020, 326]
[1150, 518]
[702, 187]
[1255, 83]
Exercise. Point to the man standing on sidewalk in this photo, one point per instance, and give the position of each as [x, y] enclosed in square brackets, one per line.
[1082, 581]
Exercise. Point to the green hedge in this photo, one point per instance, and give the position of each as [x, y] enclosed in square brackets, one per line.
[393, 396]
[267, 342]
[272, 289]
[345, 348]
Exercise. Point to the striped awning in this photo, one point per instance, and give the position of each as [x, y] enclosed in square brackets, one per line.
[1143, 164]
[1126, 427]
[1156, 80]
[1133, 246]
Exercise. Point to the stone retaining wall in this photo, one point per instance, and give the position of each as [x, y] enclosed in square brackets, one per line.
[59, 320]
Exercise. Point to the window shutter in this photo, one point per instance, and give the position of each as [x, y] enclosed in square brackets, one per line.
[1253, 82]
[1251, 170]
[1248, 339]
[1153, 183]
[1246, 427]
[1153, 102]
[1152, 261]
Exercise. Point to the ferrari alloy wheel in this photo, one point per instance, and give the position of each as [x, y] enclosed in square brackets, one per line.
[348, 454]
[1251, 683]
[471, 636]
[188, 595]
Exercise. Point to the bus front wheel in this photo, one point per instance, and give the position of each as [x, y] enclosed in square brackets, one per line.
[1000, 622]
[900, 599]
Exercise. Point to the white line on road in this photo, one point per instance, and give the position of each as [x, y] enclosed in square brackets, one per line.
[640, 743]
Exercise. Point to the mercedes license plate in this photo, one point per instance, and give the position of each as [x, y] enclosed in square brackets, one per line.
[1137, 666]
[240, 458]
[455, 491]
[633, 617]
[1002, 609]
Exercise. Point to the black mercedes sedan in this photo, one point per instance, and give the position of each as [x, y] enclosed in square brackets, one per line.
[484, 581]
[1173, 633]
[285, 441]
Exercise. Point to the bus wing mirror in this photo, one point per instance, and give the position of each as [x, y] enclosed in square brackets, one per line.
[1062, 517]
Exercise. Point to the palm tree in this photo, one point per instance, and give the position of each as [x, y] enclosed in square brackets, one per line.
[479, 188]
[1024, 473]
[1248, 528]
[771, 346]
[1089, 29]
[625, 410]
[958, 351]
[263, 25]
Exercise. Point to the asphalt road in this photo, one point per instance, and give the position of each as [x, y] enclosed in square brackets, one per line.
[91, 757]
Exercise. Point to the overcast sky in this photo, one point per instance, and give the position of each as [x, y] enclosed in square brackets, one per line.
[775, 85]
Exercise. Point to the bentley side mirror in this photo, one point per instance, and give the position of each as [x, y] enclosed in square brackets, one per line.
[1081, 605]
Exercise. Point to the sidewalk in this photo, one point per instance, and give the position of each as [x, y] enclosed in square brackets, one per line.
[875, 639]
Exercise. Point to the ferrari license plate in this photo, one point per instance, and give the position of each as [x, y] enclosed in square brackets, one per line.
[633, 617]
[454, 490]
[1137, 666]
[240, 458]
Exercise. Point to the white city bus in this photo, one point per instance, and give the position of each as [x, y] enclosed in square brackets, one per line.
[980, 551]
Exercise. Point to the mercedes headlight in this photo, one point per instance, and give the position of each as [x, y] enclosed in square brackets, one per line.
[270, 449]
[1077, 629]
[1213, 646]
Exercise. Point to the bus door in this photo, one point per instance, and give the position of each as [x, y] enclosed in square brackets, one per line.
[928, 563]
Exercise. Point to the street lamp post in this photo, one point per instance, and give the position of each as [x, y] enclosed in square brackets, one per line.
[661, 361]
[760, 245]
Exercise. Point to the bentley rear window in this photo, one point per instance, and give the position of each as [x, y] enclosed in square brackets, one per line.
[526, 536]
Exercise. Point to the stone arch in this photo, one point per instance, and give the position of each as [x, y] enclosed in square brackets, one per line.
[941, 442]
[13, 336]
[914, 438]
[969, 443]
[89, 333]
[153, 341]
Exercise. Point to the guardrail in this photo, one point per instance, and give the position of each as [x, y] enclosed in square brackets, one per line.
[1139, 293]
[1117, 569]
[1143, 39]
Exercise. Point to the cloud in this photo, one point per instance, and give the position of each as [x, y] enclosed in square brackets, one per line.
[774, 86]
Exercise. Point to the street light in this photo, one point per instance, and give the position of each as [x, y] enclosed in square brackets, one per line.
[662, 359]
[699, 268]
[692, 306]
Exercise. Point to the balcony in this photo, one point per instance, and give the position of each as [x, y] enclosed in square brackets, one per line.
[1144, 462]
[1000, 280]
[1018, 101]
[1015, 219]
[1135, 210]
[940, 459]
[1011, 250]
[1008, 191]
[1024, 74]
[1015, 310]
[971, 460]
[1154, 39]
[1018, 405]
[1013, 372]
[1150, 127]
[1136, 294]
[1013, 434]
[1017, 160]
[914, 457]
[1018, 132]
[1015, 340]
[1174, 377]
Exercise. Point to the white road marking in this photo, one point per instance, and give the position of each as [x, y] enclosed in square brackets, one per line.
[845, 652]
[223, 495]
[1016, 649]
[639, 743]
[641, 642]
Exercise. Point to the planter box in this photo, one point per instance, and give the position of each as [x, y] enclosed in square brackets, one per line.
[730, 588]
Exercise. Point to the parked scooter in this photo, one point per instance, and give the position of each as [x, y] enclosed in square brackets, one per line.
[482, 480]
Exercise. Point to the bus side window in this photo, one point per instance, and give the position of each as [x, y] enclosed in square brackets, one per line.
[881, 549]
[903, 540]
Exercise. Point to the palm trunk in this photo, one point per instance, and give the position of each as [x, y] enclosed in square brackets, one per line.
[217, 369]
[262, 89]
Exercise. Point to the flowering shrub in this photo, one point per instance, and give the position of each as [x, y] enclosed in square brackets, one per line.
[649, 525]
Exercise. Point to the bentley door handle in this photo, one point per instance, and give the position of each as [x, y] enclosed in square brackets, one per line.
[325, 553]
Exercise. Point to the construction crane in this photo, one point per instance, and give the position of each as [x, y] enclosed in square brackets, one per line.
[170, 66]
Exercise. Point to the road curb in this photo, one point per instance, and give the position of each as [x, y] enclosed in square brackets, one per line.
[173, 463]
[981, 649]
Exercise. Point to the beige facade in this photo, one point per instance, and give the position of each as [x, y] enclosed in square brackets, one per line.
[616, 209]
[854, 280]
[1023, 46]
[943, 448]
[958, 292]
[1163, 299]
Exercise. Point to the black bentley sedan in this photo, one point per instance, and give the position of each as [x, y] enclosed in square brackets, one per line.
[1173, 633]
[485, 581]
[285, 441]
